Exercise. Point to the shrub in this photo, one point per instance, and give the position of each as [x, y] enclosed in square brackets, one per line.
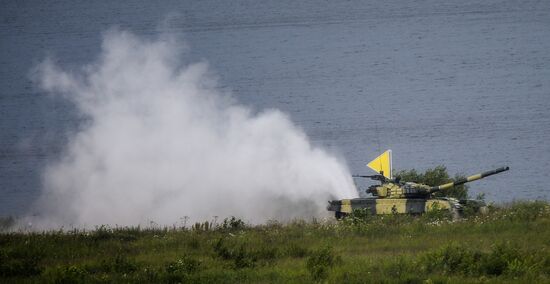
[233, 223]
[121, 264]
[358, 216]
[399, 267]
[69, 274]
[193, 242]
[179, 271]
[294, 250]
[266, 252]
[435, 213]
[102, 233]
[451, 259]
[240, 257]
[19, 267]
[496, 262]
[221, 250]
[184, 264]
[527, 211]
[20, 262]
[118, 264]
[320, 262]
[243, 259]
[502, 259]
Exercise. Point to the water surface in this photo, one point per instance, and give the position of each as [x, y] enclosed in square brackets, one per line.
[459, 83]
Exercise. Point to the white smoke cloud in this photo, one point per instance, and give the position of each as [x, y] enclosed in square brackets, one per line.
[161, 142]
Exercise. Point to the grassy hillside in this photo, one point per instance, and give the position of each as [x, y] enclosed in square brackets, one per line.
[511, 244]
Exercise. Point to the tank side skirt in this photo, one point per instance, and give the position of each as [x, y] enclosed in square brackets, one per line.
[393, 206]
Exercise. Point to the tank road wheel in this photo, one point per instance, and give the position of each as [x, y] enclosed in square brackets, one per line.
[339, 215]
[484, 210]
[455, 214]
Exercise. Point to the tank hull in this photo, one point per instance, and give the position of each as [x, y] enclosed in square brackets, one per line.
[413, 206]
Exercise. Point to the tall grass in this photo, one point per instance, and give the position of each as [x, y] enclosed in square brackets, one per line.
[510, 244]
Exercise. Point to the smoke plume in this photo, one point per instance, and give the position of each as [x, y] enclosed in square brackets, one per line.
[159, 141]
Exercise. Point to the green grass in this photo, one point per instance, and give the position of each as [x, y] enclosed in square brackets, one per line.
[511, 244]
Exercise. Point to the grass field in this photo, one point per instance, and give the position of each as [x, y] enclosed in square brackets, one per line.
[510, 244]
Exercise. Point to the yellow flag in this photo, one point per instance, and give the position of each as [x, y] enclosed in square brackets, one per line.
[382, 164]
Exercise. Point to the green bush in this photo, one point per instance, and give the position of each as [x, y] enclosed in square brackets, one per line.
[320, 262]
[238, 254]
[358, 216]
[121, 264]
[400, 267]
[20, 261]
[118, 264]
[496, 262]
[126, 234]
[501, 259]
[451, 259]
[102, 233]
[243, 259]
[297, 251]
[437, 214]
[265, 252]
[233, 223]
[526, 211]
[184, 264]
[69, 275]
[384, 249]
[180, 270]
[19, 267]
[193, 242]
[222, 250]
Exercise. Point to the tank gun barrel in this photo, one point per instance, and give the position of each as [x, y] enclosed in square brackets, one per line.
[468, 179]
[380, 178]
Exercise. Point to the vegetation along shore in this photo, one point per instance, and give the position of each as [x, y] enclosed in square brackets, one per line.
[509, 244]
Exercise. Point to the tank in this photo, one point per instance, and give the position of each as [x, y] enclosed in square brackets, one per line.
[392, 196]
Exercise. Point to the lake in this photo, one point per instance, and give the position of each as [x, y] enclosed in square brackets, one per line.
[465, 84]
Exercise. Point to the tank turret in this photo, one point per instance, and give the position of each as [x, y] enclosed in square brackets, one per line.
[393, 188]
